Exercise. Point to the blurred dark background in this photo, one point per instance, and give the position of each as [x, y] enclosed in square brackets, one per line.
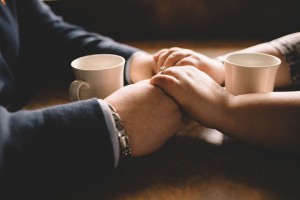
[183, 19]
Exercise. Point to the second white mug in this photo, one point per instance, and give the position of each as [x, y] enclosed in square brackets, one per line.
[250, 72]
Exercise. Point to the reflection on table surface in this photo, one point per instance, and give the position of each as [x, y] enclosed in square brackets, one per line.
[198, 163]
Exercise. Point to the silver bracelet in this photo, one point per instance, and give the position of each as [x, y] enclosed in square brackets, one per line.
[125, 148]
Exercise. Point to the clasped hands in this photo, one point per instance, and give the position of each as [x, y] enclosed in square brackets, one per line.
[152, 109]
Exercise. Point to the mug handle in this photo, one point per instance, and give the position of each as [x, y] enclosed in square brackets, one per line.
[75, 87]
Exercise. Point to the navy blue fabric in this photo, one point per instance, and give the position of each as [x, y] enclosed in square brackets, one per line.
[37, 46]
[60, 145]
[54, 147]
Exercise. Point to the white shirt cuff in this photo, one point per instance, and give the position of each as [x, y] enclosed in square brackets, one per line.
[112, 130]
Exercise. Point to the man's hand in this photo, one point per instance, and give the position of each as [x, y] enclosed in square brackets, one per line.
[150, 117]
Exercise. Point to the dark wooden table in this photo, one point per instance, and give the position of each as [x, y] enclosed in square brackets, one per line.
[198, 163]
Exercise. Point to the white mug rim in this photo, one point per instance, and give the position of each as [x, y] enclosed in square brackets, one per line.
[277, 61]
[98, 55]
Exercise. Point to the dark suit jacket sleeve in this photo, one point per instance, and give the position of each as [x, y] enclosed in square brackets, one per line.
[39, 23]
[48, 43]
[59, 145]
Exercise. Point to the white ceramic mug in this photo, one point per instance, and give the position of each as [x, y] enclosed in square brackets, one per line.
[97, 76]
[250, 72]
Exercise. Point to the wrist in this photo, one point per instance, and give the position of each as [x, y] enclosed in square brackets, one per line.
[125, 148]
[141, 66]
[220, 70]
[227, 116]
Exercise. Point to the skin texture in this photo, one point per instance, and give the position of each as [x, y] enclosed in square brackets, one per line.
[143, 66]
[183, 57]
[199, 95]
[150, 116]
[214, 68]
[268, 120]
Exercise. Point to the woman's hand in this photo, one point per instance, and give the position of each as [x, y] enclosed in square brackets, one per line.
[185, 57]
[199, 95]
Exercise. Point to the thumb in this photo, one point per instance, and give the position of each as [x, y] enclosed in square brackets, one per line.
[167, 83]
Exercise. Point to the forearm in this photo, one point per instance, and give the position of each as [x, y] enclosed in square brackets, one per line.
[268, 120]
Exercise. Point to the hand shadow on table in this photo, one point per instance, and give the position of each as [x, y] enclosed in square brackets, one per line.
[193, 163]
